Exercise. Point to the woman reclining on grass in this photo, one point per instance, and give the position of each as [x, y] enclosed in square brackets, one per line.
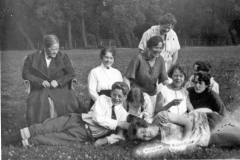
[187, 131]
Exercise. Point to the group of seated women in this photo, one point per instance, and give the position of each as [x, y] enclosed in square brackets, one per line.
[190, 113]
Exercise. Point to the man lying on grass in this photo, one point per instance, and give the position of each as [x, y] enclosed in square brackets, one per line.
[99, 124]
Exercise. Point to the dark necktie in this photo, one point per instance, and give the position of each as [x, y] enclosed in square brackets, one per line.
[113, 113]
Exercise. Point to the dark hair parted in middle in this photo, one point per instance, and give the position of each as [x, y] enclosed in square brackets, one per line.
[203, 66]
[203, 77]
[107, 49]
[153, 41]
[135, 95]
[177, 67]
[122, 86]
[168, 18]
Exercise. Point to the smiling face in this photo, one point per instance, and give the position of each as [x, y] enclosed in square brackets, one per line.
[156, 50]
[199, 87]
[165, 28]
[117, 96]
[178, 78]
[146, 134]
[53, 50]
[108, 59]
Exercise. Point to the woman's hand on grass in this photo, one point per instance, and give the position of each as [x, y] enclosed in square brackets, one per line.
[101, 142]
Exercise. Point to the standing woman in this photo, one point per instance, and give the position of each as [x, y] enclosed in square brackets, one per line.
[50, 73]
[174, 97]
[101, 78]
[170, 39]
[148, 68]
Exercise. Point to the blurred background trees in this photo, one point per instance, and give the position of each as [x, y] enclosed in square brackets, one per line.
[84, 23]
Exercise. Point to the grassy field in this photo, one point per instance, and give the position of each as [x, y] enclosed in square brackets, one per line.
[226, 70]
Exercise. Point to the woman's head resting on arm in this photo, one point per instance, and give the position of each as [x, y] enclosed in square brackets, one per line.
[155, 45]
[178, 75]
[107, 55]
[201, 81]
[167, 22]
[141, 130]
[51, 45]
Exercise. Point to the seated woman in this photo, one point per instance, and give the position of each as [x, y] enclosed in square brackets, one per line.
[202, 96]
[204, 67]
[189, 130]
[173, 97]
[101, 78]
[148, 68]
[139, 104]
[50, 73]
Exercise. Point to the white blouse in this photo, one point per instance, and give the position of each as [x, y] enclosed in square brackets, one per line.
[101, 78]
[170, 95]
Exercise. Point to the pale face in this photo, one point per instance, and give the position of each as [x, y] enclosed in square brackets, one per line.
[108, 59]
[117, 96]
[53, 50]
[164, 29]
[199, 87]
[178, 78]
[156, 50]
[146, 134]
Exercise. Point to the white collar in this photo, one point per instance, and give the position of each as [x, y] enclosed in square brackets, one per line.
[104, 67]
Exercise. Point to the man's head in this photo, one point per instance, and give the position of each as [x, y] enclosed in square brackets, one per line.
[119, 92]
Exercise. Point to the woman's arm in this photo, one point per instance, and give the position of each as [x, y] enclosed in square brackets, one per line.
[182, 121]
[160, 101]
[189, 105]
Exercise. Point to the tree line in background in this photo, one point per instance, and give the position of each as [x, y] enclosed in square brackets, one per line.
[124, 21]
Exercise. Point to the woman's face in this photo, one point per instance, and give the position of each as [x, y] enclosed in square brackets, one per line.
[199, 87]
[53, 50]
[178, 78]
[146, 134]
[165, 28]
[108, 59]
[156, 50]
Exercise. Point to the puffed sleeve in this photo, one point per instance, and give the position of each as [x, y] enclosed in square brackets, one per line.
[132, 67]
[143, 43]
[69, 72]
[163, 74]
[92, 85]
[99, 114]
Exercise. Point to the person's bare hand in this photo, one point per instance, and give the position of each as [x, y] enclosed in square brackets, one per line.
[101, 142]
[46, 84]
[175, 102]
[54, 83]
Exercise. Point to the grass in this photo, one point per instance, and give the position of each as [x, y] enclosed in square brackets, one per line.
[226, 70]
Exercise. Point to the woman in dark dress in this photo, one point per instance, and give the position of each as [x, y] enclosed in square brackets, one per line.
[201, 96]
[50, 73]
